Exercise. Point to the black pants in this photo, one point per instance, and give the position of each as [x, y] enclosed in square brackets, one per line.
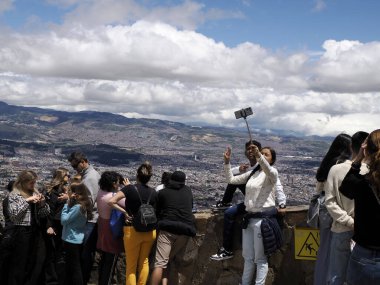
[229, 222]
[230, 190]
[55, 263]
[38, 253]
[88, 251]
[73, 264]
[21, 257]
[106, 268]
[7, 245]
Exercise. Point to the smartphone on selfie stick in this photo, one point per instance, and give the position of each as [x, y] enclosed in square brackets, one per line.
[244, 113]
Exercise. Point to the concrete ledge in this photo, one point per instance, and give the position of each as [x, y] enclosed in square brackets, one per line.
[196, 268]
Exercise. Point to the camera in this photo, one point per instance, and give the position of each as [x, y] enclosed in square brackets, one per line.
[243, 113]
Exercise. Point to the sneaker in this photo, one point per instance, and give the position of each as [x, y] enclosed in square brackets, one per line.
[221, 206]
[222, 255]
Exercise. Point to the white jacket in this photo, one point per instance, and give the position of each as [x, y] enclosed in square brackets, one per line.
[260, 188]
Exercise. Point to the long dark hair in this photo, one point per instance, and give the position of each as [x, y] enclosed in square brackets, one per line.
[338, 152]
[272, 152]
[82, 199]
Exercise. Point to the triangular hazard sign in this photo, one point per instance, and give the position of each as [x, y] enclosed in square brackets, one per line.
[309, 247]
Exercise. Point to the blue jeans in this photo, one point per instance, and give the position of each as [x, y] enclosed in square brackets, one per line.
[322, 262]
[340, 252]
[364, 267]
[229, 221]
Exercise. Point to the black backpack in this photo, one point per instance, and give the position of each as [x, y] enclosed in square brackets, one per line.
[145, 220]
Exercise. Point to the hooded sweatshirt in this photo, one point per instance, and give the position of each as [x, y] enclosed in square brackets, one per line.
[174, 209]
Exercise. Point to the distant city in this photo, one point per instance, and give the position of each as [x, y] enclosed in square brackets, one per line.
[42, 139]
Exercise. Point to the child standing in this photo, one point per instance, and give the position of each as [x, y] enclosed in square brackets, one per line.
[74, 217]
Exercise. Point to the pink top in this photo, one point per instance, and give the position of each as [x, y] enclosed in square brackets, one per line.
[106, 242]
[103, 208]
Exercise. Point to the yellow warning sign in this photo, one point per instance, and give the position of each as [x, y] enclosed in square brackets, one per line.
[306, 243]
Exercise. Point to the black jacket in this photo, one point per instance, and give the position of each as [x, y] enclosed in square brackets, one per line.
[174, 210]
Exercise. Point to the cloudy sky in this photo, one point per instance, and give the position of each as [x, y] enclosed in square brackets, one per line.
[310, 66]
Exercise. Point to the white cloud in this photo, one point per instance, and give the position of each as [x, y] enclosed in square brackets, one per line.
[348, 66]
[151, 69]
[5, 5]
[186, 15]
[149, 51]
[319, 5]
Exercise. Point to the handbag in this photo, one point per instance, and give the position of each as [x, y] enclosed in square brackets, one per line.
[318, 215]
[116, 223]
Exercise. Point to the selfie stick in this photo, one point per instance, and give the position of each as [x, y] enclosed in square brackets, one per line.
[249, 131]
[244, 113]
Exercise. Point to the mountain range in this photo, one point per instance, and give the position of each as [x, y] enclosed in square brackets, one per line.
[42, 138]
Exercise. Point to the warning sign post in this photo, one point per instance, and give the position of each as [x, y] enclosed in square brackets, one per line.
[306, 243]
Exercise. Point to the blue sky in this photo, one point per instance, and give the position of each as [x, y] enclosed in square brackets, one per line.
[310, 66]
[274, 24]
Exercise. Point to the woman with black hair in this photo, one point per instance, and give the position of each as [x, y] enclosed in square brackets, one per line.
[338, 152]
[364, 264]
[108, 246]
[137, 244]
[259, 202]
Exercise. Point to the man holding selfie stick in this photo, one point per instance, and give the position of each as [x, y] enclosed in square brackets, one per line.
[225, 203]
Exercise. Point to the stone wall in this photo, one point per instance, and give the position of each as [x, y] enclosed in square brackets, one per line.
[196, 268]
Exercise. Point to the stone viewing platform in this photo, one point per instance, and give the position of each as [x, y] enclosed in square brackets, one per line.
[196, 268]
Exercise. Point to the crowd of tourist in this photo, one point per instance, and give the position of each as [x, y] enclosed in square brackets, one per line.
[51, 235]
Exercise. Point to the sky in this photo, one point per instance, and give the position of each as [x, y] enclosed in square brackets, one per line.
[305, 66]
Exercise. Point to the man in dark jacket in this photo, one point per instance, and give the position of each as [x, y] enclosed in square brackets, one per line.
[176, 223]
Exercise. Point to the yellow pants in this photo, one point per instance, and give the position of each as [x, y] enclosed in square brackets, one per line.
[137, 247]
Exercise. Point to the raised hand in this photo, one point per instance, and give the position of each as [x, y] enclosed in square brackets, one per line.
[362, 153]
[227, 155]
[126, 182]
[33, 199]
[243, 167]
[41, 199]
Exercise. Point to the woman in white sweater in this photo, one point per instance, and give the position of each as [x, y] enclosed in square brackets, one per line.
[259, 198]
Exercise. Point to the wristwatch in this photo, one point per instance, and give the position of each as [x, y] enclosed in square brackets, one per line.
[282, 206]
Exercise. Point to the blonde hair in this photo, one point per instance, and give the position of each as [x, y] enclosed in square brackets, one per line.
[23, 178]
[58, 178]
